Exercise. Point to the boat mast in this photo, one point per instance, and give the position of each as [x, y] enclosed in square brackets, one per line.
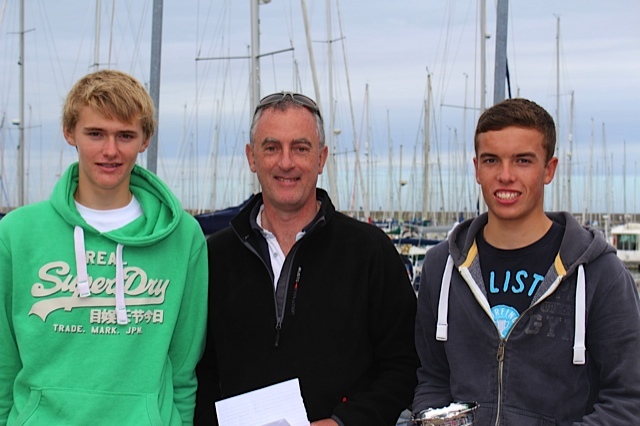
[312, 61]
[255, 73]
[367, 192]
[21, 199]
[557, 183]
[359, 178]
[4, 116]
[390, 167]
[96, 41]
[400, 184]
[482, 206]
[624, 180]
[500, 66]
[483, 54]
[570, 156]
[331, 162]
[608, 183]
[586, 203]
[333, 193]
[466, 189]
[154, 82]
[427, 147]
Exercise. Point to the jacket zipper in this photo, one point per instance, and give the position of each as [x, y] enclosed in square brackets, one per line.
[500, 358]
[503, 344]
[292, 252]
[275, 299]
[278, 327]
[286, 273]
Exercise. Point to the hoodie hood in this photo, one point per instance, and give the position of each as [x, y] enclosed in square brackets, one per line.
[161, 209]
[580, 244]
[161, 213]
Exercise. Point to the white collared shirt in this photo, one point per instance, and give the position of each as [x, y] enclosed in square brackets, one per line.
[275, 252]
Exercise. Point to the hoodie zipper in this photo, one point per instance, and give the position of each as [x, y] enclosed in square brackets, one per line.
[500, 358]
[503, 343]
[468, 278]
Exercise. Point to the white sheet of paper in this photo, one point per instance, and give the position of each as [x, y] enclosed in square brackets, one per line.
[276, 404]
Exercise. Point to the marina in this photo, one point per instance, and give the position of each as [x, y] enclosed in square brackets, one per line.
[399, 117]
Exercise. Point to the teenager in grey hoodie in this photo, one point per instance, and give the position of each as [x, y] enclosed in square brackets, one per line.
[527, 313]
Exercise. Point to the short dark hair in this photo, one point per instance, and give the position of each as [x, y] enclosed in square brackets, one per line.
[519, 112]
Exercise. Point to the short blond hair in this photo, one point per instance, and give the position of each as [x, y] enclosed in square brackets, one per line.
[113, 94]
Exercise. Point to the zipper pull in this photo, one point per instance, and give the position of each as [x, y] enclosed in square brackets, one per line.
[295, 291]
[500, 356]
[278, 327]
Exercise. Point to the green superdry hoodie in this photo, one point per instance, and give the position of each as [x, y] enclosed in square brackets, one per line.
[101, 328]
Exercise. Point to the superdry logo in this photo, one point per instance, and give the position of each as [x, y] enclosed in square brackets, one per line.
[58, 290]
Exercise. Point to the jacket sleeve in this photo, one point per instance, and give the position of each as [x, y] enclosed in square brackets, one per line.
[188, 340]
[433, 388]
[391, 329]
[208, 387]
[9, 355]
[613, 344]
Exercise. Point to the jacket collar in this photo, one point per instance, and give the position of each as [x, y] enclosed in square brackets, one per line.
[244, 223]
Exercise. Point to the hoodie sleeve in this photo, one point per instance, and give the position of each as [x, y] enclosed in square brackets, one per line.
[9, 356]
[188, 340]
[433, 389]
[613, 343]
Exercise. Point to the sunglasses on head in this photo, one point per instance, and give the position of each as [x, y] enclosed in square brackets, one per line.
[296, 97]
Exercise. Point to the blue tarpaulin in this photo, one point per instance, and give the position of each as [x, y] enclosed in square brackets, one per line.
[219, 219]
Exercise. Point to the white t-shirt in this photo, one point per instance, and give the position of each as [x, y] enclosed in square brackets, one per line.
[108, 220]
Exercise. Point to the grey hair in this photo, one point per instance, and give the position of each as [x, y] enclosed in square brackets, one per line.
[283, 105]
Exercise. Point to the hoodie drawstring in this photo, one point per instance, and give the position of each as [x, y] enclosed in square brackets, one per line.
[579, 348]
[443, 302]
[121, 307]
[81, 262]
[83, 278]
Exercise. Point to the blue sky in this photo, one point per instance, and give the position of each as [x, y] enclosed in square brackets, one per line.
[389, 47]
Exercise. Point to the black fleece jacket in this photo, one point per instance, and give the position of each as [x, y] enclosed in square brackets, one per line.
[346, 323]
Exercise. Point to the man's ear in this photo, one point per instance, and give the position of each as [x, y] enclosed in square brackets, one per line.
[248, 150]
[324, 154]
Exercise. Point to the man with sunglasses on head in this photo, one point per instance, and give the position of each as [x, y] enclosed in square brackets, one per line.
[299, 290]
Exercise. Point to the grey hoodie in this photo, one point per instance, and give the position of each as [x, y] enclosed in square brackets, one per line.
[540, 374]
